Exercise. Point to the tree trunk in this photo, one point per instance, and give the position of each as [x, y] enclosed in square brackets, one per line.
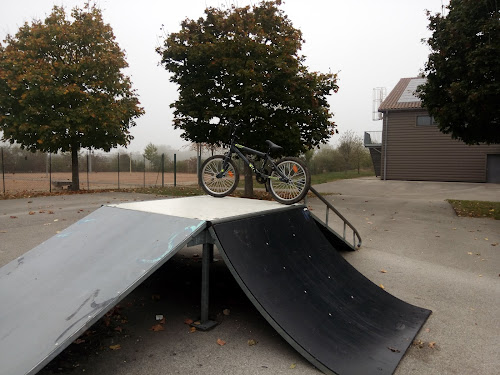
[75, 176]
[248, 182]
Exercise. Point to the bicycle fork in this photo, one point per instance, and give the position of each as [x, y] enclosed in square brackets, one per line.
[225, 166]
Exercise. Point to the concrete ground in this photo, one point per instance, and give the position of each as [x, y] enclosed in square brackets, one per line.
[413, 244]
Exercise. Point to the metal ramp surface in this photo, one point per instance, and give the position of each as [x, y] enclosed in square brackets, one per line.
[284, 259]
[56, 291]
[328, 311]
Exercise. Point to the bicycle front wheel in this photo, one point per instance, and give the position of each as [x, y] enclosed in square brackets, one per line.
[299, 180]
[217, 181]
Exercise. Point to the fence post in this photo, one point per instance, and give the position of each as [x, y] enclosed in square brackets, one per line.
[118, 171]
[162, 170]
[175, 170]
[3, 173]
[50, 171]
[88, 169]
[144, 171]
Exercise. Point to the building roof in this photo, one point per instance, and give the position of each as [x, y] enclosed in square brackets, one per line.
[403, 95]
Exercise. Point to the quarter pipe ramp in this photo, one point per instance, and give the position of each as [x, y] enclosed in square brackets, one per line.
[328, 311]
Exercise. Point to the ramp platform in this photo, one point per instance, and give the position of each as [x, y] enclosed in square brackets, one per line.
[329, 312]
[285, 260]
[56, 291]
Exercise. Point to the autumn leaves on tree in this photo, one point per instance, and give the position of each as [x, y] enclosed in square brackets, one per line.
[242, 66]
[62, 86]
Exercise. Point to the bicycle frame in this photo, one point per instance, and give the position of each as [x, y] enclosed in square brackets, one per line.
[239, 149]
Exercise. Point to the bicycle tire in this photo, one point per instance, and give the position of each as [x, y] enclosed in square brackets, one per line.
[218, 186]
[300, 180]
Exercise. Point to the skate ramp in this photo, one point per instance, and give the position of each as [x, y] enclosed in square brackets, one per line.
[328, 311]
[56, 291]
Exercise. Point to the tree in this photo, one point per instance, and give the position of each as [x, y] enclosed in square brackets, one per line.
[61, 86]
[242, 66]
[151, 154]
[350, 148]
[462, 91]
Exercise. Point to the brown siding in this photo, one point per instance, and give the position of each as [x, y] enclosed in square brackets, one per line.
[424, 153]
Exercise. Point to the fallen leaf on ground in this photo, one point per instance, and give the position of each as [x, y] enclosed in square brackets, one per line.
[115, 347]
[252, 342]
[157, 327]
[78, 341]
[192, 329]
[394, 350]
[383, 287]
[32, 212]
[226, 312]
[13, 217]
[418, 343]
[432, 345]
[119, 329]
[221, 342]
[188, 321]
[383, 271]
[293, 365]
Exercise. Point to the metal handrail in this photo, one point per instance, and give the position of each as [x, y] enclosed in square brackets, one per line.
[329, 207]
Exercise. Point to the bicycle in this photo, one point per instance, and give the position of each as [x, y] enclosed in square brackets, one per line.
[287, 179]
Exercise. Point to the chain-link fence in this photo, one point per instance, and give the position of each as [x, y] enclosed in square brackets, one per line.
[24, 171]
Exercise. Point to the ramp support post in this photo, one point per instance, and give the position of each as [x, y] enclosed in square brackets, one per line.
[207, 256]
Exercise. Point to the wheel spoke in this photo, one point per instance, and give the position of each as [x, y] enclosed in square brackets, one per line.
[296, 177]
[214, 184]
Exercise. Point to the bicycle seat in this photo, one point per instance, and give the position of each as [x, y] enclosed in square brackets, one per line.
[273, 146]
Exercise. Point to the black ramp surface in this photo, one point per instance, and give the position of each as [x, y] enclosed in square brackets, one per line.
[57, 290]
[328, 311]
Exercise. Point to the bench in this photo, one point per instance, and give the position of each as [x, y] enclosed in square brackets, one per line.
[61, 184]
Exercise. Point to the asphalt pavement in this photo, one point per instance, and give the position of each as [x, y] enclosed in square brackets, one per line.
[414, 246]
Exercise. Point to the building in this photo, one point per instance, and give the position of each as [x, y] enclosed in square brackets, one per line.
[411, 147]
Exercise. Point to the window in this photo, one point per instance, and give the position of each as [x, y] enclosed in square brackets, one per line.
[425, 121]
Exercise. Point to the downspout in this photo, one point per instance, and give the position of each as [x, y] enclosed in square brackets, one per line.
[386, 118]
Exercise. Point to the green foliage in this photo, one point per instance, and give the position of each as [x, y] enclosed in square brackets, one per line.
[242, 66]
[476, 208]
[350, 154]
[151, 154]
[344, 175]
[61, 85]
[463, 71]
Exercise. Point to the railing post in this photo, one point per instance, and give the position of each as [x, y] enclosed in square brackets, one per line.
[329, 206]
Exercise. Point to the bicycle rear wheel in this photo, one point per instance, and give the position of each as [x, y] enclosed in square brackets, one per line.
[299, 180]
[216, 181]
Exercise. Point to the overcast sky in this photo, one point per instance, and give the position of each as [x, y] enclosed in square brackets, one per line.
[369, 43]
